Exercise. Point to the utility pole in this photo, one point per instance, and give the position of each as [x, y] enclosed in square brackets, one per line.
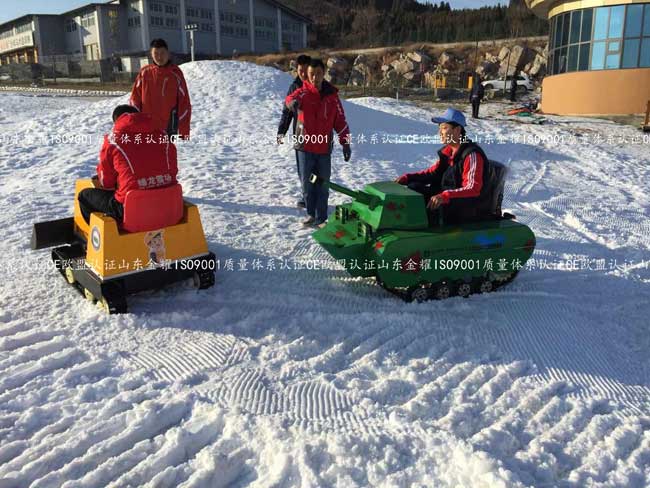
[192, 28]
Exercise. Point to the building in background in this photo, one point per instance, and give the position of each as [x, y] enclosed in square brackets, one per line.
[124, 29]
[599, 56]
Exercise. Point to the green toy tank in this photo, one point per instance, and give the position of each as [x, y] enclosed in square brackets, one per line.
[385, 232]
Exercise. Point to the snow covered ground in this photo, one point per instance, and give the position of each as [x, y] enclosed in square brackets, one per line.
[286, 376]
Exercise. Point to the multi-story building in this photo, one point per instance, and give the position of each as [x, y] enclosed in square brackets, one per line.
[125, 28]
[599, 56]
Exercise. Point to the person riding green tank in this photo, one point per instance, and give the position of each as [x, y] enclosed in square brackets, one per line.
[460, 182]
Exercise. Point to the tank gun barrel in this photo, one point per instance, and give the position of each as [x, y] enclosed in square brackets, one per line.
[360, 196]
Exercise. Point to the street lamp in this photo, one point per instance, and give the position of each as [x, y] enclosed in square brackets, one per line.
[192, 28]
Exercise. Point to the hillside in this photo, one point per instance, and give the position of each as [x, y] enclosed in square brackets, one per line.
[367, 23]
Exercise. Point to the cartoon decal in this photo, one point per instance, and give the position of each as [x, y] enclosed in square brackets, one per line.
[156, 244]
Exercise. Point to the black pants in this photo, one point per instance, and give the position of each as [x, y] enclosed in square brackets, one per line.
[95, 200]
[457, 211]
[302, 182]
[476, 104]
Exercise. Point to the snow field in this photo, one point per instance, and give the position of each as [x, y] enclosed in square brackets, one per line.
[309, 377]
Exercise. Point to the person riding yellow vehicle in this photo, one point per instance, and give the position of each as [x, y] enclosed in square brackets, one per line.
[131, 230]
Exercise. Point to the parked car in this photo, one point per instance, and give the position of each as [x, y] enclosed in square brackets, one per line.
[523, 83]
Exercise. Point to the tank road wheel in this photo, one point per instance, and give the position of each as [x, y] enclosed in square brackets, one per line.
[203, 279]
[443, 291]
[486, 286]
[114, 299]
[464, 290]
[103, 305]
[69, 275]
[89, 296]
[419, 294]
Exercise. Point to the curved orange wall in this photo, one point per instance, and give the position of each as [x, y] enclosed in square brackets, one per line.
[606, 92]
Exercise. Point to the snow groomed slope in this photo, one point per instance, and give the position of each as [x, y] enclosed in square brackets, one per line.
[286, 375]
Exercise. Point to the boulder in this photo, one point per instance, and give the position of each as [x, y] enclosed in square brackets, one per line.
[337, 64]
[403, 65]
[419, 57]
[391, 78]
[538, 66]
[362, 72]
[487, 69]
[335, 77]
[447, 60]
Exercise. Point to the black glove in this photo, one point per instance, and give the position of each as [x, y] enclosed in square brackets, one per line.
[347, 152]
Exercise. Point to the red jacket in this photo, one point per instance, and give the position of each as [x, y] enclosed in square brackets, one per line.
[136, 155]
[472, 175]
[160, 89]
[318, 114]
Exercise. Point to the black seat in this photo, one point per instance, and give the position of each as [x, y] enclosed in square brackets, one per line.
[499, 172]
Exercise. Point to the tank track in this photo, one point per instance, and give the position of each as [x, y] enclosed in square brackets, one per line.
[447, 289]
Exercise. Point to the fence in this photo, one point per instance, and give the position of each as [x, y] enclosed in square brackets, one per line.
[66, 68]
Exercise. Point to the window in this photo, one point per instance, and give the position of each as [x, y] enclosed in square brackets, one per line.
[587, 19]
[155, 7]
[157, 21]
[206, 14]
[633, 20]
[24, 28]
[644, 60]
[70, 25]
[192, 12]
[232, 24]
[88, 20]
[630, 53]
[616, 20]
[576, 21]
[598, 56]
[171, 10]
[134, 22]
[600, 24]
[613, 61]
[92, 52]
[573, 58]
[583, 62]
[558, 32]
[171, 23]
[594, 38]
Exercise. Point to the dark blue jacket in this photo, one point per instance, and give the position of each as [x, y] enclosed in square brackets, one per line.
[288, 115]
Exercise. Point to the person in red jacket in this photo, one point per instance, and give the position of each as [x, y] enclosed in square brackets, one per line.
[319, 114]
[160, 90]
[135, 155]
[460, 182]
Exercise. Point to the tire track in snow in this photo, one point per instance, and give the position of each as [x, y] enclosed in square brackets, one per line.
[190, 358]
[564, 351]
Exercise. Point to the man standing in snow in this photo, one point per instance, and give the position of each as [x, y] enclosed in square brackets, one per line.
[136, 155]
[160, 90]
[513, 89]
[302, 64]
[476, 95]
[320, 112]
[459, 183]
